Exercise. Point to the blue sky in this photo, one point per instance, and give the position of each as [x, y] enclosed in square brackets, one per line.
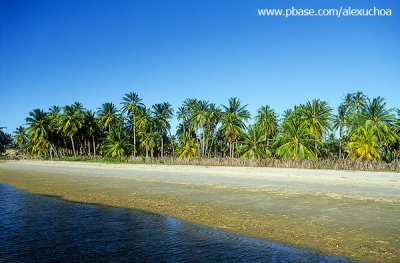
[94, 51]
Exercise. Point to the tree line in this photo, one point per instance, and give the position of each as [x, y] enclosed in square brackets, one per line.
[360, 128]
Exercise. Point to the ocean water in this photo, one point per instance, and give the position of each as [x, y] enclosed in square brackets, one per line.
[35, 228]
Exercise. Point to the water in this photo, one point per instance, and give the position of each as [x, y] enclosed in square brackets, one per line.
[35, 228]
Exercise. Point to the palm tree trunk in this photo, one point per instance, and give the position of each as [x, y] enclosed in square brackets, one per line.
[340, 144]
[54, 150]
[198, 140]
[233, 150]
[172, 144]
[315, 149]
[203, 144]
[134, 138]
[94, 146]
[162, 147]
[212, 136]
[73, 146]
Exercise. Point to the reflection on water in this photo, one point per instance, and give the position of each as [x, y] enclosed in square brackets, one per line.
[36, 228]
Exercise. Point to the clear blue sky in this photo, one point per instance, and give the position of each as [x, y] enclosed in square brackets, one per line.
[93, 51]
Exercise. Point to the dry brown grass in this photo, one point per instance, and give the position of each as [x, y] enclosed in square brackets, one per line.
[346, 164]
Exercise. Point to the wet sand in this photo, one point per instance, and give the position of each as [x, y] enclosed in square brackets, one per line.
[345, 213]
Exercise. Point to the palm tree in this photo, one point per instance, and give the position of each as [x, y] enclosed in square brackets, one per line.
[116, 144]
[54, 110]
[297, 139]
[20, 137]
[190, 105]
[213, 118]
[316, 115]
[162, 113]
[364, 144]
[254, 144]
[69, 122]
[108, 116]
[358, 100]
[78, 107]
[348, 100]
[340, 122]
[188, 148]
[146, 125]
[5, 140]
[233, 121]
[375, 115]
[267, 120]
[38, 128]
[130, 104]
[148, 141]
[199, 119]
[182, 115]
[144, 120]
[91, 129]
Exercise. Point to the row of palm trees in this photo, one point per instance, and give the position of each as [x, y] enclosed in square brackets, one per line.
[361, 128]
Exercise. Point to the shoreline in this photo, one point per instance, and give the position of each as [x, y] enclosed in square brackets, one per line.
[344, 213]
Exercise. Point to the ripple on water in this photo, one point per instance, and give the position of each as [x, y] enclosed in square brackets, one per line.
[36, 228]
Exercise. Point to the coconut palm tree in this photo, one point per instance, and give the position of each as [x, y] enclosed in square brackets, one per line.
[116, 144]
[254, 145]
[38, 128]
[213, 119]
[69, 122]
[108, 116]
[381, 120]
[364, 144]
[20, 137]
[199, 119]
[144, 120]
[340, 122]
[5, 140]
[234, 118]
[91, 128]
[78, 107]
[162, 113]
[148, 141]
[130, 103]
[317, 116]
[188, 148]
[189, 106]
[182, 115]
[267, 120]
[54, 110]
[358, 100]
[297, 140]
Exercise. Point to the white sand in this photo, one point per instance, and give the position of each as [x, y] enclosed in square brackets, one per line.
[372, 184]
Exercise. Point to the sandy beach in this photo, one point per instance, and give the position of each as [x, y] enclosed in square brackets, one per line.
[345, 213]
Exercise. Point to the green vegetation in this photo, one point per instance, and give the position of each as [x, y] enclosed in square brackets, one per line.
[5, 140]
[361, 129]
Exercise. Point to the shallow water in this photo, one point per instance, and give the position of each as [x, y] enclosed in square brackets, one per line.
[35, 228]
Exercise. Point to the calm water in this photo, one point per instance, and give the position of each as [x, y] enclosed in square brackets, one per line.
[36, 228]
